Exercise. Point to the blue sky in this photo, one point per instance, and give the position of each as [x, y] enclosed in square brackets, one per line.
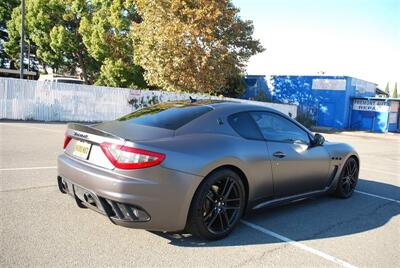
[358, 38]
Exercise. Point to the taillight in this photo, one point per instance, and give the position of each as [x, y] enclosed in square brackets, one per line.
[125, 157]
[67, 139]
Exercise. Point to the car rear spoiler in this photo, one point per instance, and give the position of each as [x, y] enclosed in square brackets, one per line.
[91, 130]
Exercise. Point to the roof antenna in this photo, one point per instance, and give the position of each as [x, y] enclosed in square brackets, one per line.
[192, 99]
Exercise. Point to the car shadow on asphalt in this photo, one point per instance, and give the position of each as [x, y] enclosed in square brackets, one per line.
[310, 219]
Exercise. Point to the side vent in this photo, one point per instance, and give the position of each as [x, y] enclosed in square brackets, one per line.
[333, 174]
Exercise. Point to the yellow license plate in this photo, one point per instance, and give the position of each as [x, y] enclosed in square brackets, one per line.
[82, 149]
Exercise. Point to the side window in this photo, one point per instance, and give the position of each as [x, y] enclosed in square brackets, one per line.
[277, 128]
[244, 125]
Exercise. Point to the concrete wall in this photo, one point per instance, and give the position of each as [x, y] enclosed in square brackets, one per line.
[50, 101]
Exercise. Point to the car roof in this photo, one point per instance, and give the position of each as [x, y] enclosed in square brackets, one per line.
[234, 105]
[218, 104]
[221, 106]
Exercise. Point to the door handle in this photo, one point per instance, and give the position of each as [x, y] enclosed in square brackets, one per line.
[279, 154]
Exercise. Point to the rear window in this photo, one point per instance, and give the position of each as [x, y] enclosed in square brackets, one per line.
[171, 115]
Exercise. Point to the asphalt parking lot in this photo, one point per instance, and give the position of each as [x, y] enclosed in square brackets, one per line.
[41, 227]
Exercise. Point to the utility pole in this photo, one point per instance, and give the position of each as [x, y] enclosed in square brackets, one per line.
[21, 60]
[29, 54]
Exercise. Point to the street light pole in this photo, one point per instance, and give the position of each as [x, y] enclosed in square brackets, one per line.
[29, 55]
[21, 60]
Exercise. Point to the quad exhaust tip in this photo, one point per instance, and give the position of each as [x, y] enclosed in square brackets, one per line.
[89, 199]
[114, 210]
[62, 185]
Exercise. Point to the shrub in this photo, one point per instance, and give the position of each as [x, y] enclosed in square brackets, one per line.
[306, 120]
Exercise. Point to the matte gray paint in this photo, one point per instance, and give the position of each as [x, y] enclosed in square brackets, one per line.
[165, 194]
[192, 152]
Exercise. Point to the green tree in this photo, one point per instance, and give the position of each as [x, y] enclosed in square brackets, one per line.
[92, 36]
[387, 88]
[394, 94]
[234, 87]
[193, 45]
[106, 34]
[53, 26]
[12, 46]
[5, 15]
[117, 73]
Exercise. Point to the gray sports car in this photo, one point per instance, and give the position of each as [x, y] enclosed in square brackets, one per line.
[199, 166]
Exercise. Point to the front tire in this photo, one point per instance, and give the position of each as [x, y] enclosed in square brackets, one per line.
[217, 205]
[348, 179]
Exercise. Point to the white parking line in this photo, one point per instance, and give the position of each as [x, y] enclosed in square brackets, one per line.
[378, 196]
[38, 128]
[380, 171]
[297, 244]
[26, 168]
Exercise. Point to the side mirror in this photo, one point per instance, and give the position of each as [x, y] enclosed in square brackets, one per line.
[318, 140]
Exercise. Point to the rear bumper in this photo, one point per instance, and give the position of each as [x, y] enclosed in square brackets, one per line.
[161, 193]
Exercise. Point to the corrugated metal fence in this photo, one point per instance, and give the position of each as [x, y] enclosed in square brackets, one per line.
[51, 101]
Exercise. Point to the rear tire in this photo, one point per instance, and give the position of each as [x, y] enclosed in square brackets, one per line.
[348, 179]
[217, 205]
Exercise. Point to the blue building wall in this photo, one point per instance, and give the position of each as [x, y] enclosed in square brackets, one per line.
[369, 121]
[327, 99]
[256, 86]
[394, 116]
[330, 100]
[375, 114]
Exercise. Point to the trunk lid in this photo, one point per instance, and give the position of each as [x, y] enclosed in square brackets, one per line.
[133, 132]
[84, 144]
[85, 141]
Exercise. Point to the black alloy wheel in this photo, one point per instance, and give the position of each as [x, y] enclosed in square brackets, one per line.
[222, 205]
[348, 179]
[217, 206]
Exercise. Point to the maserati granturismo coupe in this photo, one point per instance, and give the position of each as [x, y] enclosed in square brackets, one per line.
[199, 166]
